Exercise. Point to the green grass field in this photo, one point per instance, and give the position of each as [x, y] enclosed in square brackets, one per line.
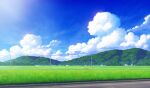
[50, 74]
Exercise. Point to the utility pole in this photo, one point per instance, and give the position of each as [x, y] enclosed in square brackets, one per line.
[132, 57]
[50, 61]
[10, 58]
[91, 61]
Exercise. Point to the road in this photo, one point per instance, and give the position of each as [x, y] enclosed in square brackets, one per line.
[123, 84]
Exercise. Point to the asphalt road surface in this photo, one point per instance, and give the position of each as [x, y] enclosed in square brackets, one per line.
[123, 84]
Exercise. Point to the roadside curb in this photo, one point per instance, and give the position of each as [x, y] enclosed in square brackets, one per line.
[72, 83]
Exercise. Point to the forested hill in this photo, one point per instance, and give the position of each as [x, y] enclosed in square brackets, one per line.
[31, 60]
[134, 56]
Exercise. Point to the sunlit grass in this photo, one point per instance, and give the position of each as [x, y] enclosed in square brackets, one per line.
[50, 74]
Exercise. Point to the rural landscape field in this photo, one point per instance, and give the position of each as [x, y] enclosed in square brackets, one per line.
[74, 42]
[63, 74]
[104, 66]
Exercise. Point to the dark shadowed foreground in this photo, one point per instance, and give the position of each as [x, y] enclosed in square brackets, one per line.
[110, 84]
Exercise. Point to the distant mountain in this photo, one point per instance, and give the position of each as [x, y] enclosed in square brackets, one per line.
[134, 56]
[30, 60]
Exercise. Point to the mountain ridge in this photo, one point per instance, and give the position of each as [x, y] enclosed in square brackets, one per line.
[133, 56]
[31, 60]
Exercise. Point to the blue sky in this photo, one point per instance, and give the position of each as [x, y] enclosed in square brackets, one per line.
[60, 19]
[63, 20]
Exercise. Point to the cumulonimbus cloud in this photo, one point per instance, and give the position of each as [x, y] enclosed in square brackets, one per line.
[103, 24]
[108, 35]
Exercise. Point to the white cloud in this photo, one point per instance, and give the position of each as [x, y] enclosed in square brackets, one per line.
[75, 48]
[98, 44]
[133, 41]
[44, 52]
[103, 23]
[144, 42]
[30, 45]
[112, 40]
[105, 27]
[58, 55]
[91, 45]
[70, 57]
[4, 55]
[108, 36]
[31, 41]
[144, 28]
[84, 48]
[53, 43]
[130, 40]
[15, 51]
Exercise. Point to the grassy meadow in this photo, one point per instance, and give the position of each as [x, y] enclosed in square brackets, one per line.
[53, 74]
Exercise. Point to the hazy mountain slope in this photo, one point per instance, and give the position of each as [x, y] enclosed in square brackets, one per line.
[31, 60]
